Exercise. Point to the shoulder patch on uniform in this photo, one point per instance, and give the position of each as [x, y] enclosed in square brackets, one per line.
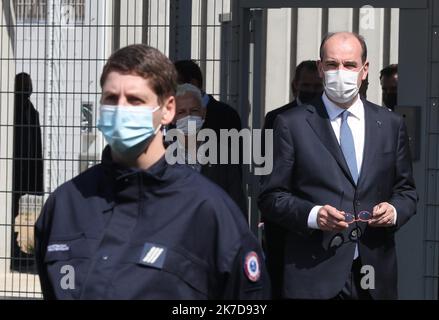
[153, 255]
[58, 247]
[252, 266]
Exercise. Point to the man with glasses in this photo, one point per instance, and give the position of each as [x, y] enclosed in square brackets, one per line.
[341, 184]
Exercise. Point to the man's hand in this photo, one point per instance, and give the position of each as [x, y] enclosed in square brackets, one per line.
[383, 215]
[330, 219]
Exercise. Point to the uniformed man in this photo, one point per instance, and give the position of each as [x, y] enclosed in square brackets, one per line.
[135, 227]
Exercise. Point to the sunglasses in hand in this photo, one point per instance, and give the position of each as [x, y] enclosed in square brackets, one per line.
[362, 216]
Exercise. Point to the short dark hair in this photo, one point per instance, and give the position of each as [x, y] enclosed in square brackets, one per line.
[188, 70]
[389, 71]
[146, 62]
[360, 38]
[310, 65]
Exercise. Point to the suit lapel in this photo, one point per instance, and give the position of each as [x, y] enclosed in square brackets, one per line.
[373, 131]
[320, 123]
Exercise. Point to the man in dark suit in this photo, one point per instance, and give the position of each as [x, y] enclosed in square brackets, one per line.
[341, 185]
[306, 86]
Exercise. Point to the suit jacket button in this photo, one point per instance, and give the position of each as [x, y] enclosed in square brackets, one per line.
[357, 203]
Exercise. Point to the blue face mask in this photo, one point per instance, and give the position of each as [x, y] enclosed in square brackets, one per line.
[127, 129]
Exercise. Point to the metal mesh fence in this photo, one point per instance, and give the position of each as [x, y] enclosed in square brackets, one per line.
[208, 42]
[52, 53]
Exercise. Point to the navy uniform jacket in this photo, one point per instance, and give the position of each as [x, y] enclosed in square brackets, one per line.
[163, 233]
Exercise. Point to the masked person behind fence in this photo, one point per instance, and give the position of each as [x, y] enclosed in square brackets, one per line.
[219, 115]
[342, 185]
[28, 167]
[189, 118]
[389, 85]
[135, 227]
[306, 86]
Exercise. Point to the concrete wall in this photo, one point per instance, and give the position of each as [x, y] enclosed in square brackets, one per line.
[142, 22]
[7, 73]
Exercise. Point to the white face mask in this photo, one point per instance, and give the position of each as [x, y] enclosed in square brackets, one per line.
[342, 85]
[127, 129]
[183, 124]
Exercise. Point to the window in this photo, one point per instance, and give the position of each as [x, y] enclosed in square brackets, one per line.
[32, 11]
